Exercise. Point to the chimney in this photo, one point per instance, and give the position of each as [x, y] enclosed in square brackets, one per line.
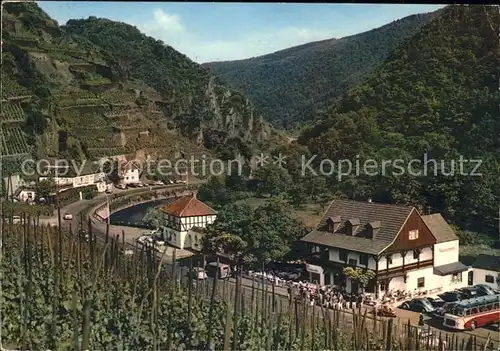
[369, 200]
[352, 225]
[333, 223]
[374, 228]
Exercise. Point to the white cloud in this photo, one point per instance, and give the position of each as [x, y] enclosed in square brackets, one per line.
[169, 29]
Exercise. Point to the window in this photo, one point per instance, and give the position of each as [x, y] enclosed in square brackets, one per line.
[489, 278]
[416, 254]
[353, 262]
[413, 234]
[363, 259]
[343, 255]
[421, 282]
[389, 259]
[456, 278]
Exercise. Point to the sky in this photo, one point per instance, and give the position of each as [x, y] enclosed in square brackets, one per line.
[232, 31]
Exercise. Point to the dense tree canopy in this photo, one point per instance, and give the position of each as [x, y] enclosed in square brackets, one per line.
[289, 86]
[262, 235]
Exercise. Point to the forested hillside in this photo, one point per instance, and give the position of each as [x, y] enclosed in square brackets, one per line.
[96, 87]
[435, 94]
[289, 86]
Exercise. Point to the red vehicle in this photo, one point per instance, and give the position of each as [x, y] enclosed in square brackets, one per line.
[474, 313]
[385, 311]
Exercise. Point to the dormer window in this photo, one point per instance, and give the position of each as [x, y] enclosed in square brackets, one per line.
[352, 225]
[374, 228]
[333, 223]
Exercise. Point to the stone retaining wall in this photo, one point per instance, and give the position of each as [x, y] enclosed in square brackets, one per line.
[162, 193]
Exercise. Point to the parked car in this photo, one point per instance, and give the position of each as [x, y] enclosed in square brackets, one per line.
[223, 273]
[385, 311]
[440, 311]
[418, 305]
[121, 186]
[452, 296]
[68, 216]
[486, 289]
[471, 292]
[436, 301]
[198, 273]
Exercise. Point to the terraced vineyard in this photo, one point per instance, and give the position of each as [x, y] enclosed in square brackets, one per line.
[10, 88]
[117, 96]
[14, 142]
[12, 113]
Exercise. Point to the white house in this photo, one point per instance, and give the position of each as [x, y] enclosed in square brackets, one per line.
[24, 194]
[129, 173]
[74, 176]
[405, 250]
[185, 219]
[487, 271]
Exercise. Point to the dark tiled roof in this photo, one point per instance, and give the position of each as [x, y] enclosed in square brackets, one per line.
[450, 268]
[344, 241]
[188, 206]
[488, 262]
[389, 219]
[439, 228]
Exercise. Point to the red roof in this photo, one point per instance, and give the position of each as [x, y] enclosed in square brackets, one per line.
[188, 206]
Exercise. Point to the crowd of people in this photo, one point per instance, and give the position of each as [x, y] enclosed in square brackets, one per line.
[336, 297]
[329, 296]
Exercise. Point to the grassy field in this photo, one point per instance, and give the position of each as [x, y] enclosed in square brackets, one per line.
[309, 213]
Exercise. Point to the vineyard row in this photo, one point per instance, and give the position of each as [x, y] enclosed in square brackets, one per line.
[12, 113]
[14, 142]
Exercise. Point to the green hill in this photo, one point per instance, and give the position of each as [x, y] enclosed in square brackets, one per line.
[289, 86]
[96, 87]
[435, 94]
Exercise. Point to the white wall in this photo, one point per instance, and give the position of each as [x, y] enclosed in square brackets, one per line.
[197, 221]
[130, 176]
[83, 180]
[431, 281]
[480, 277]
[59, 181]
[445, 253]
[76, 182]
[26, 194]
[174, 238]
[180, 238]
[334, 256]
[397, 259]
[450, 283]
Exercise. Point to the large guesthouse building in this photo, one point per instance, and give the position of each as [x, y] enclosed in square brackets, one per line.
[404, 249]
[185, 219]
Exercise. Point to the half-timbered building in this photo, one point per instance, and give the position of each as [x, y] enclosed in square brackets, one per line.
[184, 220]
[405, 250]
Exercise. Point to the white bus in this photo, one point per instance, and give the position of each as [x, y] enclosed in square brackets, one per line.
[473, 313]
